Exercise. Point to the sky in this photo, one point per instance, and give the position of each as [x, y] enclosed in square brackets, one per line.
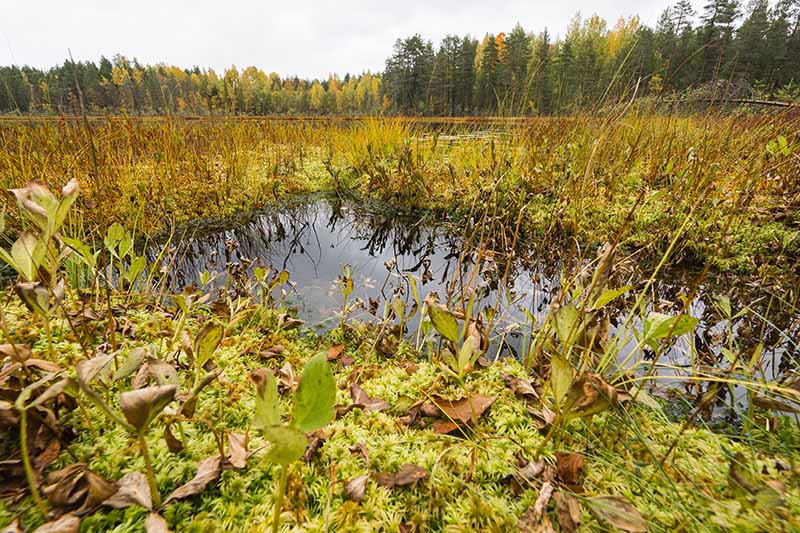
[310, 39]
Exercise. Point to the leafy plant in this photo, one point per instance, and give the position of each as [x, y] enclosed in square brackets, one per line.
[312, 410]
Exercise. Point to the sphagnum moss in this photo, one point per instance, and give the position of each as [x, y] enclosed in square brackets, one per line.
[465, 490]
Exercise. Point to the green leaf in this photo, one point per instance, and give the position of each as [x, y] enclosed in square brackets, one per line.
[206, 342]
[113, 236]
[560, 377]
[35, 296]
[723, 303]
[413, 284]
[443, 320]
[136, 268]
[69, 193]
[468, 350]
[618, 512]
[27, 253]
[267, 411]
[609, 295]
[288, 444]
[283, 277]
[84, 252]
[131, 363]
[567, 318]
[315, 396]
[658, 325]
[399, 308]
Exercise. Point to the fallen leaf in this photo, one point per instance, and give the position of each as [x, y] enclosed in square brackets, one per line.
[237, 450]
[360, 448]
[17, 352]
[444, 427]
[361, 399]
[286, 378]
[173, 443]
[65, 487]
[542, 418]
[569, 466]
[568, 511]
[356, 488]
[208, 471]
[467, 409]
[618, 512]
[520, 387]
[315, 442]
[286, 322]
[529, 469]
[273, 351]
[590, 394]
[155, 523]
[48, 455]
[133, 490]
[542, 500]
[407, 475]
[69, 523]
[335, 351]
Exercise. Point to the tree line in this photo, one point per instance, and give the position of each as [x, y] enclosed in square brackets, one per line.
[728, 50]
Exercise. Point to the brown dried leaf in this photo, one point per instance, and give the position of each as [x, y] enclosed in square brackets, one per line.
[315, 442]
[142, 405]
[99, 490]
[465, 410]
[618, 512]
[69, 523]
[590, 394]
[65, 487]
[273, 352]
[17, 352]
[356, 488]
[155, 523]
[362, 399]
[534, 519]
[569, 466]
[173, 443]
[542, 418]
[360, 448]
[520, 387]
[48, 455]
[133, 490]
[335, 351]
[531, 470]
[407, 475]
[237, 450]
[568, 511]
[444, 427]
[208, 471]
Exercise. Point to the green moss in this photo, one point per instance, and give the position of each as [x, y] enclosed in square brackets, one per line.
[465, 488]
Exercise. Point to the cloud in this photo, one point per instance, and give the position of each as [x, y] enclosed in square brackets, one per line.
[309, 39]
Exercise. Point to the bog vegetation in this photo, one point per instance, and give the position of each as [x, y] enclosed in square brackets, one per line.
[131, 400]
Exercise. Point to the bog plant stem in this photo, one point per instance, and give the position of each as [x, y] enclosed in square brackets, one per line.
[151, 475]
[26, 461]
[279, 495]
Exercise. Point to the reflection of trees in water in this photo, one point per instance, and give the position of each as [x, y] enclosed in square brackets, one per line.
[276, 238]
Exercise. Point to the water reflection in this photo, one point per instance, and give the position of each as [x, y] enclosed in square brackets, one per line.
[312, 240]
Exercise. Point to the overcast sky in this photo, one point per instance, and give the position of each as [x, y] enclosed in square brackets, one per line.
[309, 39]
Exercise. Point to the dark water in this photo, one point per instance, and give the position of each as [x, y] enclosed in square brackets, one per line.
[314, 239]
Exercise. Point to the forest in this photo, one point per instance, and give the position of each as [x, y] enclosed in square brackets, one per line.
[729, 50]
